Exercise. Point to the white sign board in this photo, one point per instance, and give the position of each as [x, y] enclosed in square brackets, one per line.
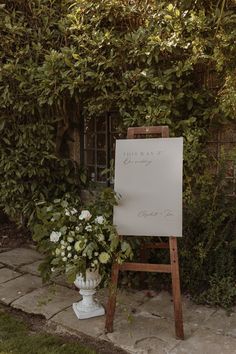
[148, 179]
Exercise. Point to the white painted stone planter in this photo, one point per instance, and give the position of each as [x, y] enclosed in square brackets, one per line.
[88, 307]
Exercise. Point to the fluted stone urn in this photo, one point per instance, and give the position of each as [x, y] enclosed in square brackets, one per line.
[88, 307]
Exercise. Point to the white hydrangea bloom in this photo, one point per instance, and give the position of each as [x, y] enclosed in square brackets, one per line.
[99, 219]
[85, 215]
[55, 236]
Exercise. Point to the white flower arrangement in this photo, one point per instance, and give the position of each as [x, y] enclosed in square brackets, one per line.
[78, 240]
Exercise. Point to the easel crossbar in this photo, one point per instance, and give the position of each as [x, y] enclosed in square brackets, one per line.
[146, 267]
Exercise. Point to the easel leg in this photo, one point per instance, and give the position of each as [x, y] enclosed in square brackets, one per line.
[144, 253]
[179, 331]
[111, 305]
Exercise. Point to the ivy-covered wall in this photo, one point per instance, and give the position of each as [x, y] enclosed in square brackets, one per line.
[64, 60]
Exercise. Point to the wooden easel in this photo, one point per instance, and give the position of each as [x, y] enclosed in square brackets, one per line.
[173, 267]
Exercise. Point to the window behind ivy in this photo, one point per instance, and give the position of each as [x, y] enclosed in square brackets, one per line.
[98, 145]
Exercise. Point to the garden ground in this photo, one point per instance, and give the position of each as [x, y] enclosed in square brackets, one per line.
[143, 322]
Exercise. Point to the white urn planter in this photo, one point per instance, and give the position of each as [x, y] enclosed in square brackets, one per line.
[88, 307]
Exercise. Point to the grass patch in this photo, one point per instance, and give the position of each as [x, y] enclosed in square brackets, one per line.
[17, 338]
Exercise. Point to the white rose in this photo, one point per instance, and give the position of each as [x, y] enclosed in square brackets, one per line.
[85, 215]
[64, 259]
[55, 236]
[62, 254]
[69, 255]
[67, 212]
[73, 211]
[88, 228]
[75, 257]
[69, 248]
[100, 220]
[70, 239]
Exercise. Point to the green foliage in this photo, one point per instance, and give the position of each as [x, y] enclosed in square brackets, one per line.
[208, 257]
[221, 292]
[32, 108]
[30, 171]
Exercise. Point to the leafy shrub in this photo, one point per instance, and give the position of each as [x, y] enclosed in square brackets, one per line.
[207, 250]
[30, 170]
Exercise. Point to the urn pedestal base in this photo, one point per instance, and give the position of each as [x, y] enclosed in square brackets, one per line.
[88, 307]
[82, 315]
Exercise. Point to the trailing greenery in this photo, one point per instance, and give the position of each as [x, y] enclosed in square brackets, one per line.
[153, 62]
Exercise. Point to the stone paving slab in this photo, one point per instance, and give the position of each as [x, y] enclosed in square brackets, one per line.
[16, 288]
[61, 280]
[93, 326]
[206, 342]
[161, 305]
[129, 333]
[128, 301]
[47, 301]
[19, 256]
[222, 323]
[31, 268]
[8, 274]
